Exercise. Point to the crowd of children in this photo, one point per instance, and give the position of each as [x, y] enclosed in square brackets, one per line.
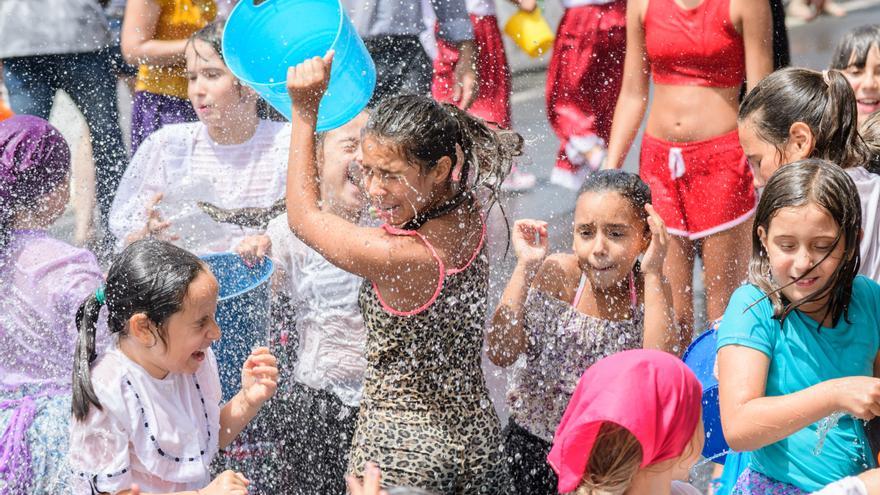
[372, 379]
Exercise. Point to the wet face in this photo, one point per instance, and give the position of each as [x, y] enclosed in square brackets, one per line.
[218, 98]
[796, 240]
[764, 157]
[339, 157]
[191, 330]
[609, 236]
[398, 189]
[865, 82]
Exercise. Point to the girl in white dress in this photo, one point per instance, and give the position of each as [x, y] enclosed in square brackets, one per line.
[231, 158]
[147, 412]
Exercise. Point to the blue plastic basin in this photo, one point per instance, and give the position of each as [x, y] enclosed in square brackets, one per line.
[700, 358]
[263, 38]
[242, 313]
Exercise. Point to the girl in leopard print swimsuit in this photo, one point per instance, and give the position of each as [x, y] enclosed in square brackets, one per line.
[425, 417]
[561, 314]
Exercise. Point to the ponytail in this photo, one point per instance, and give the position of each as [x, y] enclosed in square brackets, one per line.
[870, 132]
[149, 277]
[837, 136]
[86, 324]
[824, 101]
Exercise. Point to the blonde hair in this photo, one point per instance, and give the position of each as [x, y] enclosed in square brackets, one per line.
[614, 461]
[870, 132]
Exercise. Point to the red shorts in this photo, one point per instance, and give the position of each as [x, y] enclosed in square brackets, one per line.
[698, 188]
[493, 99]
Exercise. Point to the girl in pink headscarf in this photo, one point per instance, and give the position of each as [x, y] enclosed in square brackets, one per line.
[633, 426]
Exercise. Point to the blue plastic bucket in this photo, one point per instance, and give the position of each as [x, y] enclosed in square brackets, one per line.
[263, 38]
[700, 358]
[242, 313]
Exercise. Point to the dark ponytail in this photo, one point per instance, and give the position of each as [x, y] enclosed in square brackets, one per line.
[425, 131]
[83, 356]
[150, 277]
[870, 131]
[824, 101]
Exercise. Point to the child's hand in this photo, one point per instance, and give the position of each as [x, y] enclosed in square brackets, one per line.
[253, 248]
[259, 377]
[307, 82]
[155, 226]
[857, 395]
[652, 261]
[372, 482]
[529, 238]
[227, 483]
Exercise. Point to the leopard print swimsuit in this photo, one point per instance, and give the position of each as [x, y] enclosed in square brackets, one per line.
[426, 418]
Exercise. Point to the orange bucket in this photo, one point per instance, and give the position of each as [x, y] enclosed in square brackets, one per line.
[531, 32]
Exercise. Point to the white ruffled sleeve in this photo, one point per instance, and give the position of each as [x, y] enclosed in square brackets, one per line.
[153, 168]
[846, 486]
[100, 444]
[288, 253]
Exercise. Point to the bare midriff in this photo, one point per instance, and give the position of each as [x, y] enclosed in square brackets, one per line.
[692, 113]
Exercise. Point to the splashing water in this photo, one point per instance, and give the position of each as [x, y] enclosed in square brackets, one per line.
[825, 425]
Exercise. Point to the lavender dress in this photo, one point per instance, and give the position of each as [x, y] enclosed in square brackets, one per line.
[42, 283]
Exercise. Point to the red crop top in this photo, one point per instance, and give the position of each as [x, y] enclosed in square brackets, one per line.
[694, 47]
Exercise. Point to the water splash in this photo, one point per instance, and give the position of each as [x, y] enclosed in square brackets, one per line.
[825, 425]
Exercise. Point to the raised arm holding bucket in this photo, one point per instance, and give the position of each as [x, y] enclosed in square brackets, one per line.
[426, 298]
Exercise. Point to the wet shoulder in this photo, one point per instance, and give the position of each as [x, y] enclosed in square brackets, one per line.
[559, 276]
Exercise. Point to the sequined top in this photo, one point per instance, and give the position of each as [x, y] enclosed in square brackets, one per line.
[563, 343]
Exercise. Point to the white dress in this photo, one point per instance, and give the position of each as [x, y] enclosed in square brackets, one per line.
[868, 185]
[332, 336]
[160, 434]
[186, 166]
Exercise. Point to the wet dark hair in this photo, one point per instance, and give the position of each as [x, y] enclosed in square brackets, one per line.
[823, 101]
[628, 185]
[212, 35]
[150, 277]
[870, 132]
[829, 187]
[852, 49]
[425, 131]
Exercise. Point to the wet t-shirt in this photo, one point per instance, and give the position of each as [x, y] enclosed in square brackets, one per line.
[802, 355]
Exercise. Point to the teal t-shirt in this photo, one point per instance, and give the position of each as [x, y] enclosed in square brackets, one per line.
[802, 356]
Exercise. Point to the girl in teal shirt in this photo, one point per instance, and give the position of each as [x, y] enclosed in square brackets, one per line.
[800, 341]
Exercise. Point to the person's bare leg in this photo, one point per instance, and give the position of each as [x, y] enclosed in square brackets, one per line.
[679, 270]
[725, 266]
[82, 194]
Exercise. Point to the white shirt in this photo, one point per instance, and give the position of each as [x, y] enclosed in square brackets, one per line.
[160, 434]
[868, 185]
[332, 336]
[186, 165]
[682, 488]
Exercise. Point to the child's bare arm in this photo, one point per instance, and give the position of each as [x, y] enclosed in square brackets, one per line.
[660, 332]
[506, 337]
[752, 420]
[258, 383]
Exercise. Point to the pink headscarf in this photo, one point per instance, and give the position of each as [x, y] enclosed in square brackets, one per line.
[650, 393]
